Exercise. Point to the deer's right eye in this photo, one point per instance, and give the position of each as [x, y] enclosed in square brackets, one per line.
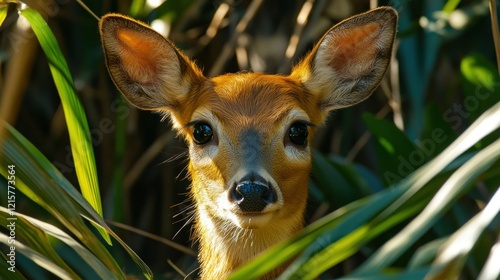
[298, 134]
[202, 133]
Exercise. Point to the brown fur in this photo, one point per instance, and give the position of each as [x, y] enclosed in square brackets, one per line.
[250, 114]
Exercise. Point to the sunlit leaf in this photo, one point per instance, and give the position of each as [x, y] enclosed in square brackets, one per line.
[485, 124]
[34, 233]
[52, 191]
[491, 269]
[81, 144]
[454, 252]
[357, 213]
[36, 258]
[3, 12]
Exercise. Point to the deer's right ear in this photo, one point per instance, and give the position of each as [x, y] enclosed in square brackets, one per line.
[349, 62]
[148, 69]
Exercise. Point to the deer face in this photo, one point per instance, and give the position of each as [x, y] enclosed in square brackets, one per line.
[249, 133]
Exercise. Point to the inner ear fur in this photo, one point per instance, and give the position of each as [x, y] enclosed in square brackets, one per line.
[147, 68]
[349, 62]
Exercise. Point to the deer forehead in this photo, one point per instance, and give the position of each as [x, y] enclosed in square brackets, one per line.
[255, 101]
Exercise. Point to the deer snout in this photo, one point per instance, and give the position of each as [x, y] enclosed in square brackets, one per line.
[252, 195]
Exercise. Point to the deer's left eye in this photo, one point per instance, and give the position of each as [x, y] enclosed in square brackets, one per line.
[202, 133]
[298, 133]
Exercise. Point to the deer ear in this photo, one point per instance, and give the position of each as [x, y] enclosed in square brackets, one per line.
[148, 69]
[349, 62]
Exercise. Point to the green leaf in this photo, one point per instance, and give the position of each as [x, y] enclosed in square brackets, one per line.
[397, 155]
[450, 6]
[324, 173]
[3, 12]
[81, 144]
[35, 239]
[350, 216]
[37, 258]
[486, 124]
[481, 84]
[34, 233]
[414, 274]
[437, 134]
[491, 269]
[454, 252]
[426, 253]
[354, 231]
[171, 10]
[4, 266]
[39, 180]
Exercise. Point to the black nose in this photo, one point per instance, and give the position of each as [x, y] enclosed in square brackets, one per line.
[252, 195]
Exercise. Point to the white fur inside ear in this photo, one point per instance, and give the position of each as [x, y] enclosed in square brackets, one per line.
[147, 68]
[350, 60]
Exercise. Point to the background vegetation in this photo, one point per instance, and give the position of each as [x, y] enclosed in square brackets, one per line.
[405, 185]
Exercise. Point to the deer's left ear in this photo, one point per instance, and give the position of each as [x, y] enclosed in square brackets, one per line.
[349, 62]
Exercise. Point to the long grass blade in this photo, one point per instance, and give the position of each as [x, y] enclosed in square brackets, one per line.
[34, 238]
[37, 258]
[486, 123]
[455, 250]
[491, 269]
[81, 147]
[50, 189]
[34, 233]
[351, 215]
[3, 13]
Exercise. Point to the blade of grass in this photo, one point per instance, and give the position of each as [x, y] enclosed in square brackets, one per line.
[447, 194]
[37, 258]
[454, 252]
[356, 212]
[311, 266]
[81, 147]
[426, 253]
[34, 232]
[3, 12]
[11, 275]
[484, 125]
[50, 189]
[35, 239]
[32, 180]
[491, 269]
[488, 122]
[414, 274]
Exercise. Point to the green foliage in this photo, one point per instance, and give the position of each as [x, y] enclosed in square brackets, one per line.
[79, 131]
[421, 199]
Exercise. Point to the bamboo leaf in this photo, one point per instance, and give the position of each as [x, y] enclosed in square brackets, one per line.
[426, 253]
[312, 265]
[39, 180]
[352, 215]
[3, 12]
[447, 194]
[34, 232]
[454, 252]
[81, 147]
[11, 273]
[37, 258]
[32, 180]
[35, 239]
[491, 269]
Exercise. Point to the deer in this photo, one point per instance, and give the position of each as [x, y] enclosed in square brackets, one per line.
[248, 134]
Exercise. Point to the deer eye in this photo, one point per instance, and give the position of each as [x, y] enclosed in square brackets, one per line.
[298, 134]
[202, 133]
